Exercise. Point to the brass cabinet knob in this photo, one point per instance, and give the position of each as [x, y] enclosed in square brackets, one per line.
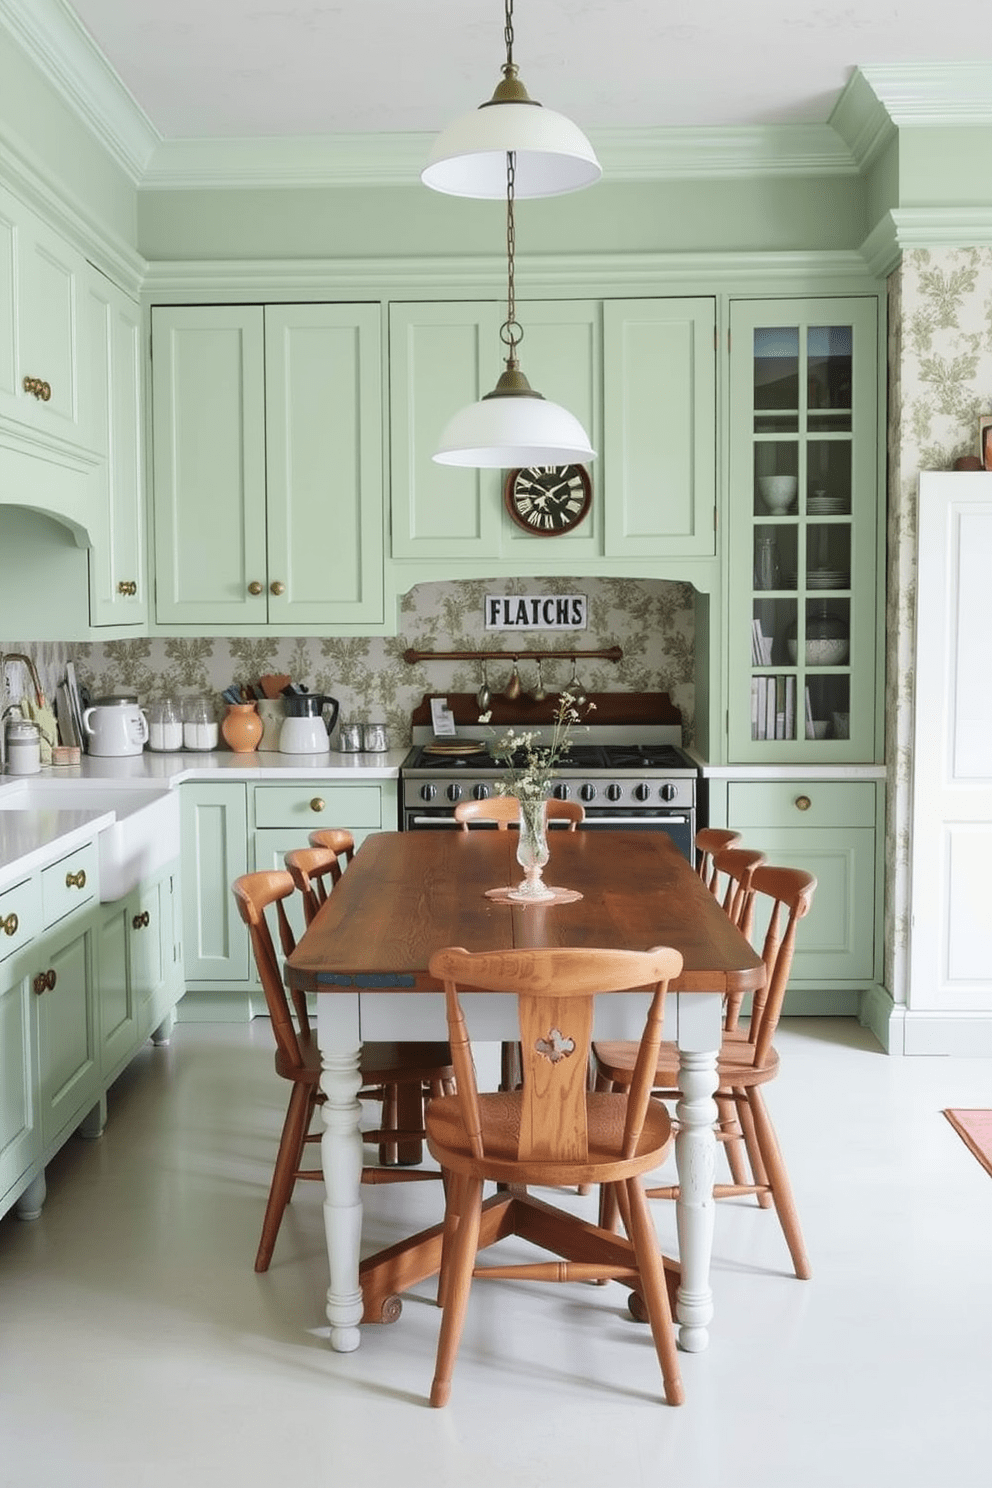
[9, 924]
[38, 388]
[278, 588]
[803, 803]
[254, 587]
[141, 921]
[317, 804]
[44, 981]
[127, 586]
[76, 880]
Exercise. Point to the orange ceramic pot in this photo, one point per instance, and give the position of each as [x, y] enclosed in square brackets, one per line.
[242, 728]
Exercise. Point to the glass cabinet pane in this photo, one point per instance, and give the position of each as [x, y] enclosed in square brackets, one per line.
[803, 488]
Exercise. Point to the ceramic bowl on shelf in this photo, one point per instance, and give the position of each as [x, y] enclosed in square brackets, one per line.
[778, 492]
[819, 727]
[822, 651]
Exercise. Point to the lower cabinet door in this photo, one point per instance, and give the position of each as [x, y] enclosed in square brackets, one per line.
[214, 852]
[19, 1134]
[118, 1003]
[66, 1031]
[150, 950]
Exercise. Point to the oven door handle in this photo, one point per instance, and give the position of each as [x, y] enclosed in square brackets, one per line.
[633, 821]
[434, 821]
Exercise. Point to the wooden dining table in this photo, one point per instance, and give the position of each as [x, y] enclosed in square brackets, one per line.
[405, 895]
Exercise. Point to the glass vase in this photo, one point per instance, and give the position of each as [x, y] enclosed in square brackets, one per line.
[532, 850]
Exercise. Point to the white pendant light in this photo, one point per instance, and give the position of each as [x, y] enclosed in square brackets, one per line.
[469, 156]
[513, 425]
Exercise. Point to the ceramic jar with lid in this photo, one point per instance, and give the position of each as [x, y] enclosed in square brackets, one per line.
[23, 747]
[165, 727]
[200, 729]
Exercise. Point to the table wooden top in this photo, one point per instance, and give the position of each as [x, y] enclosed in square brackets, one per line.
[407, 894]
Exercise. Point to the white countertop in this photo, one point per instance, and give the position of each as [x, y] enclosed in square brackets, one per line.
[30, 838]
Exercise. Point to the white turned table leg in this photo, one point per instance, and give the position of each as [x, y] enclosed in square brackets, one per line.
[341, 1159]
[695, 1157]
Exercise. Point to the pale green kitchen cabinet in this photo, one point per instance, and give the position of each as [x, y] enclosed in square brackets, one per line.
[638, 374]
[658, 462]
[214, 834]
[830, 828]
[43, 393]
[803, 609]
[20, 1125]
[441, 357]
[139, 969]
[117, 557]
[267, 459]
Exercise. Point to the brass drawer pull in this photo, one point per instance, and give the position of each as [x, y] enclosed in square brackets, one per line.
[317, 804]
[127, 586]
[254, 587]
[76, 880]
[44, 981]
[141, 921]
[9, 924]
[803, 803]
[38, 387]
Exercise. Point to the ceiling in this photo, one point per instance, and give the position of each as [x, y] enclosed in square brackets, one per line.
[249, 68]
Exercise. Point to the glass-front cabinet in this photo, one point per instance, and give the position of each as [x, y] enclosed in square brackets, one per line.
[803, 473]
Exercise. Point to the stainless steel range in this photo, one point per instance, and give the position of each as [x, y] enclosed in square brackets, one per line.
[626, 775]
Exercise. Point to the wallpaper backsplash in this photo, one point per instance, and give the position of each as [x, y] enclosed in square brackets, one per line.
[940, 382]
[651, 620]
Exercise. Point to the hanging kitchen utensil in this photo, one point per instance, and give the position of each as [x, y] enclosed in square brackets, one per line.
[483, 697]
[512, 689]
[575, 687]
[539, 693]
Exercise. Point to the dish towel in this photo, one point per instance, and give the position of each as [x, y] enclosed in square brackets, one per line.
[47, 728]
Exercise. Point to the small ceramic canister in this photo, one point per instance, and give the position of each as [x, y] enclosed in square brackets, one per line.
[374, 738]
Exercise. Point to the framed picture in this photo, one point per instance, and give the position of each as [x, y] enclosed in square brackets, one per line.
[985, 440]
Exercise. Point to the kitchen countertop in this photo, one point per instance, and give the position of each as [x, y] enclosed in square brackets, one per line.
[31, 838]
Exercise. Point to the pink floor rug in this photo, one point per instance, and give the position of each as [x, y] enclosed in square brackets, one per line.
[975, 1130]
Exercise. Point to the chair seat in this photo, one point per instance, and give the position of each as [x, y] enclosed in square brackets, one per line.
[735, 1063]
[385, 1061]
[500, 1126]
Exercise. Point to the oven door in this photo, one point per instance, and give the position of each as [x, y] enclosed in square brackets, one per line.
[679, 825]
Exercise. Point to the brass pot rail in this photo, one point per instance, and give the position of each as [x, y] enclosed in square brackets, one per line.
[609, 653]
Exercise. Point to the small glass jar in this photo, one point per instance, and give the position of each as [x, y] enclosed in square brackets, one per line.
[165, 727]
[23, 747]
[767, 572]
[200, 730]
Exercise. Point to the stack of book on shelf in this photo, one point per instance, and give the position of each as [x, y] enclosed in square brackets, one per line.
[773, 707]
[761, 645]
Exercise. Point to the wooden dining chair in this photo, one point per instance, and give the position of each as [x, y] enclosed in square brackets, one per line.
[505, 812]
[709, 841]
[733, 884]
[747, 1061]
[551, 1133]
[297, 1056]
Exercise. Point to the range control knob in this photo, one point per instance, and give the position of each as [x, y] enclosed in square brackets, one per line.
[642, 792]
[669, 792]
[453, 792]
[428, 792]
[587, 792]
[561, 791]
[614, 792]
[480, 792]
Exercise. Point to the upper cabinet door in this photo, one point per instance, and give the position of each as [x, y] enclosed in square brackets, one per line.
[323, 406]
[802, 643]
[40, 333]
[208, 407]
[658, 474]
[441, 358]
[117, 558]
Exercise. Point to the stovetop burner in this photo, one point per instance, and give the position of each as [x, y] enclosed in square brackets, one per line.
[581, 758]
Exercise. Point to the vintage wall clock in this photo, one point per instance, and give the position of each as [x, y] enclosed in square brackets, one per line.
[548, 500]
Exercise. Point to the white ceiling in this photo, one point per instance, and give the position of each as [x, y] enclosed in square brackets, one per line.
[249, 68]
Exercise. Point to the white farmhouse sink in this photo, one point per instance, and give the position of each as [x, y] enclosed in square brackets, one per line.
[143, 838]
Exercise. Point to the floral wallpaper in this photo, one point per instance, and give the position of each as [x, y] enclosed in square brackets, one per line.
[652, 620]
[940, 382]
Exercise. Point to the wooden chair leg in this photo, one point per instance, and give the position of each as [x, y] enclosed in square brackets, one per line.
[753, 1147]
[458, 1283]
[730, 1125]
[785, 1206]
[454, 1204]
[294, 1130]
[609, 1211]
[390, 1119]
[653, 1289]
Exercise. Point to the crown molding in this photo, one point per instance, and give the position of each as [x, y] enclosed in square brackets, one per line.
[906, 228]
[589, 275]
[65, 54]
[915, 94]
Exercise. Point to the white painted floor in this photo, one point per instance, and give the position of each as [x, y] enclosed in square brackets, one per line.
[138, 1348]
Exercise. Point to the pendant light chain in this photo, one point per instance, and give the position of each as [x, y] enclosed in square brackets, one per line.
[511, 332]
[508, 31]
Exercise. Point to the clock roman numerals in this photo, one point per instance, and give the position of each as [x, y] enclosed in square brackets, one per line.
[547, 501]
